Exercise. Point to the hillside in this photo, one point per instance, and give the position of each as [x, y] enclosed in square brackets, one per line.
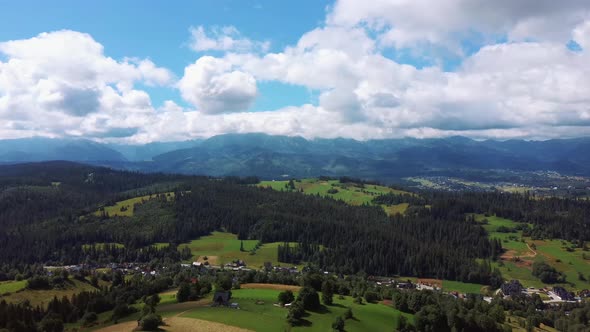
[94, 226]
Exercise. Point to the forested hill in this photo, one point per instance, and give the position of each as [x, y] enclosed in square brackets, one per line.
[273, 156]
[50, 206]
[55, 208]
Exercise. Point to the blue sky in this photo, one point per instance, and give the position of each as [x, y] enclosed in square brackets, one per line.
[159, 31]
[138, 71]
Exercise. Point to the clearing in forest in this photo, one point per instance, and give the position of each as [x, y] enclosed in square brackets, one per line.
[127, 207]
[221, 248]
[42, 297]
[351, 193]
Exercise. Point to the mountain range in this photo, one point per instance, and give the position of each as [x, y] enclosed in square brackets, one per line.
[278, 156]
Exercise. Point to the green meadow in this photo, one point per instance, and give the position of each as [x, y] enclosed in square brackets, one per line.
[221, 248]
[556, 253]
[350, 193]
[462, 287]
[257, 304]
[12, 286]
[127, 207]
[43, 297]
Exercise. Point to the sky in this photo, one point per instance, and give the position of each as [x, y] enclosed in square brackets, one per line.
[143, 71]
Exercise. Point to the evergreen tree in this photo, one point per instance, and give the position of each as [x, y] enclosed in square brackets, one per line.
[328, 292]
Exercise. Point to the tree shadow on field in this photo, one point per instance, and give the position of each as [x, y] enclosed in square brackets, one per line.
[304, 322]
[321, 310]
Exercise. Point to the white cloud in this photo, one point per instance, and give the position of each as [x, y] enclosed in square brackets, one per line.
[581, 34]
[532, 86]
[61, 83]
[408, 23]
[213, 86]
[226, 38]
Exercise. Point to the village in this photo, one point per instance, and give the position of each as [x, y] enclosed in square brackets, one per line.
[549, 295]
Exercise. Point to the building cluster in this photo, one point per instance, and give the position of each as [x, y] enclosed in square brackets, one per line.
[555, 294]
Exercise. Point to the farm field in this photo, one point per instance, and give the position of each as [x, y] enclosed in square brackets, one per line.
[350, 193]
[521, 254]
[126, 208]
[369, 317]
[222, 248]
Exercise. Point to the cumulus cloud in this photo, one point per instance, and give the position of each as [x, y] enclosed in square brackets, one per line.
[61, 83]
[530, 85]
[407, 23]
[226, 38]
[211, 85]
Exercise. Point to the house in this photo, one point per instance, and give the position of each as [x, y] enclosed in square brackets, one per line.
[563, 294]
[221, 298]
[406, 285]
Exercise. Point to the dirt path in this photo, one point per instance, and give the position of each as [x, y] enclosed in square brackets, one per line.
[531, 249]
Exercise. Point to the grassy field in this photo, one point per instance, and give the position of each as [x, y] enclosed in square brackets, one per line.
[126, 208]
[553, 252]
[462, 287]
[570, 263]
[12, 286]
[350, 193]
[222, 248]
[42, 297]
[267, 317]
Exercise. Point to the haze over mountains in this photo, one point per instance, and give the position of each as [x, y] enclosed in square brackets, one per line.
[275, 156]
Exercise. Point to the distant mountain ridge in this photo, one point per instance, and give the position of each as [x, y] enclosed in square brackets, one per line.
[42, 149]
[275, 156]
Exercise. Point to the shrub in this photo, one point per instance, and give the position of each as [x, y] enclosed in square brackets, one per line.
[348, 314]
[286, 297]
[89, 318]
[309, 298]
[338, 324]
[371, 296]
[151, 322]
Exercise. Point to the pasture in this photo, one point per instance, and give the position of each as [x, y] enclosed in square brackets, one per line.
[351, 193]
[521, 252]
[126, 207]
[221, 248]
[257, 304]
[43, 296]
[462, 287]
[12, 286]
